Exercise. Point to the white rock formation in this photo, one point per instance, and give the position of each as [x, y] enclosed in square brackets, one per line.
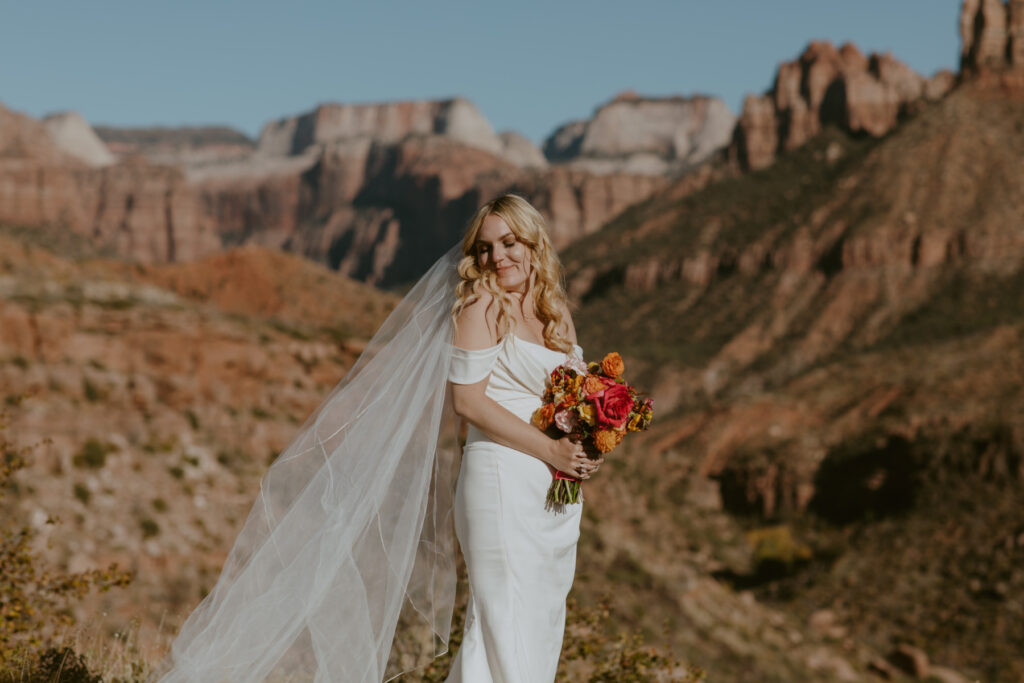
[74, 136]
[456, 118]
[647, 135]
[521, 151]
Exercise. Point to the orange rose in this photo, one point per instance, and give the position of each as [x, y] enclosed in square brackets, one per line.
[606, 439]
[593, 384]
[612, 364]
[544, 416]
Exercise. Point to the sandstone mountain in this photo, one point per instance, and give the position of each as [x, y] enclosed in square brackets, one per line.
[73, 135]
[645, 135]
[992, 35]
[828, 86]
[457, 118]
[380, 191]
[376, 191]
[189, 146]
[835, 348]
[143, 212]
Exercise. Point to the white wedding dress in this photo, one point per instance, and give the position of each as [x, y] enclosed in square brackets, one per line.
[520, 557]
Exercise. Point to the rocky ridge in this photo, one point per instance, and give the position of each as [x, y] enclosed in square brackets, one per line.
[144, 212]
[380, 191]
[992, 35]
[191, 147]
[839, 353]
[388, 122]
[829, 86]
[644, 135]
[72, 134]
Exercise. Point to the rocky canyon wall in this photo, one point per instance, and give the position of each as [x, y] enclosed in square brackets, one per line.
[144, 212]
[823, 86]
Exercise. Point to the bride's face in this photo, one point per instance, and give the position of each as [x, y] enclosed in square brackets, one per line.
[498, 249]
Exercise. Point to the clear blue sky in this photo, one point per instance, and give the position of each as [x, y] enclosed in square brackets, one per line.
[528, 65]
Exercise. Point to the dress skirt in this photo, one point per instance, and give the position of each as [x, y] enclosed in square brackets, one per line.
[520, 558]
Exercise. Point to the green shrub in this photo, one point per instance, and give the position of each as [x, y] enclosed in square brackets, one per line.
[91, 392]
[93, 454]
[776, 551]
[82, 493]
[34, 602]
[149, 527]
[52, 665]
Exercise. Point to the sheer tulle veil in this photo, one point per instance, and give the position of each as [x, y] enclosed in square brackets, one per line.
[345, 567]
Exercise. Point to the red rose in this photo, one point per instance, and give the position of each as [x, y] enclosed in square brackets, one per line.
[612, 405]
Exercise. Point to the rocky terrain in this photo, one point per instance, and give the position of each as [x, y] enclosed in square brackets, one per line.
[144, 212]
[840, 353]
[833, 338]
[162, 392]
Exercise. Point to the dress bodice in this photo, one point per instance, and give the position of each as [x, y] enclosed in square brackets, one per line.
[518, 371]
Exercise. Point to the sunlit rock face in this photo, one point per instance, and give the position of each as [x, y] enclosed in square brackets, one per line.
[644, 135]
[825, 85]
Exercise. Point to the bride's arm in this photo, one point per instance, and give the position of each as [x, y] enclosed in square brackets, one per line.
[474, 330]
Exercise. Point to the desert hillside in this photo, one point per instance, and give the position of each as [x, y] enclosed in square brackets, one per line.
[824, 294]
[836, 345]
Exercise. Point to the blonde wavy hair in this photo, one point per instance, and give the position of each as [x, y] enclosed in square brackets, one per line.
[546, 286]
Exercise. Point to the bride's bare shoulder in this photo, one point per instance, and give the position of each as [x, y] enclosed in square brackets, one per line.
[476, 324]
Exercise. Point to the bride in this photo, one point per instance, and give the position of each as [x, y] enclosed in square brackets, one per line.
[344, 569]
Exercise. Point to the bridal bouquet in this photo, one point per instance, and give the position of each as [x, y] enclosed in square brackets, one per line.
[596, 407]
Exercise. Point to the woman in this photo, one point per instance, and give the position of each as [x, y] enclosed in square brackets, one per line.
[512, 328]
[345, 568]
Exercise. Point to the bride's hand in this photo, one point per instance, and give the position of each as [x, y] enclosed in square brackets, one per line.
[569, 458]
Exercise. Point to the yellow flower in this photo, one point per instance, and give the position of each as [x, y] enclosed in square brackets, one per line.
[587, 414]
[634, 423]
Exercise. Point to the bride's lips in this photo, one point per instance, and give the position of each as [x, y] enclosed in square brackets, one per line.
[504, 269]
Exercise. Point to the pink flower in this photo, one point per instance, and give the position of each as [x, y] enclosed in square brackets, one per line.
[577, 365]
[566, 420]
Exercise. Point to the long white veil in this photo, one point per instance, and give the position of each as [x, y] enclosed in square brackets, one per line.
[351, 536]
